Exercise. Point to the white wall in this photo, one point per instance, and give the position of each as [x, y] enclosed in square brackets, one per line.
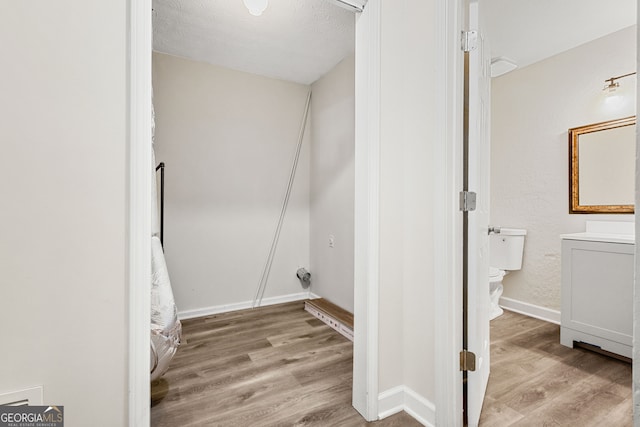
[332, 184]
[408, 109]
[228, 140]
[63, 292]
[532, 109]
[418, 107]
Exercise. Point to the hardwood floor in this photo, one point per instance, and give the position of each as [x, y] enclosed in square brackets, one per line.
[535, 381]
[272, 366]
[280, 366]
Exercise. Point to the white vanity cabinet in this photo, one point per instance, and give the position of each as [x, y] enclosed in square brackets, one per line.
[597, 291]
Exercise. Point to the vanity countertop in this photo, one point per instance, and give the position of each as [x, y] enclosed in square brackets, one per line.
[628, 239]
[606, 231]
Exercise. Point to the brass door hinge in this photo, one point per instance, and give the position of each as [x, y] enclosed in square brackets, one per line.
[467, 361]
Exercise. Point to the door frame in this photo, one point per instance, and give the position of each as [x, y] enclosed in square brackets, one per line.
[449, 333]
[447, 216]
[447, 224]
[365, 382]
[138, 255]
[366, 211]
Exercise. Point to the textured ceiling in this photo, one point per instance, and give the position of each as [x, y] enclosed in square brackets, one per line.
[300, 40]
[527, 31]
[292, 40]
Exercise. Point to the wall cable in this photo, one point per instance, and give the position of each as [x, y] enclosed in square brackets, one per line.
[257, 300]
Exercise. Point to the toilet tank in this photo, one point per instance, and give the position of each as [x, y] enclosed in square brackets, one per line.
[506, 248]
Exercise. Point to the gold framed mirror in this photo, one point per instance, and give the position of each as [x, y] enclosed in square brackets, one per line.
[602, 167]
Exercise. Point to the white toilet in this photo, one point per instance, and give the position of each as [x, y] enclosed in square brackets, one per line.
[505, 255]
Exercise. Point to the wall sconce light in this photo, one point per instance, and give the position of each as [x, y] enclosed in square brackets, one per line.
[256, 7]
[611, 84]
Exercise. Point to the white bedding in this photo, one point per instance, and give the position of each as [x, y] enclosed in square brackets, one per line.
[166, 329]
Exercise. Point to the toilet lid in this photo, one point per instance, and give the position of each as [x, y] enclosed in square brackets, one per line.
[495, 272]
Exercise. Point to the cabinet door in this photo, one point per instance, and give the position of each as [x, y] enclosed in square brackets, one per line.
[597, 289]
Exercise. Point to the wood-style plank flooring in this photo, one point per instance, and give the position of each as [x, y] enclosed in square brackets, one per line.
[272, 366]
[535, 381]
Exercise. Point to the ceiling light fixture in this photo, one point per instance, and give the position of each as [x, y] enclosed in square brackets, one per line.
[256, 7]
[611, 84]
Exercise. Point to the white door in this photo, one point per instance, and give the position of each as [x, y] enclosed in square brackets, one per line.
[478, 307]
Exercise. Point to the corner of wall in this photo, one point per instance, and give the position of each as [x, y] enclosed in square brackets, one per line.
[402, 398]
[332, 184]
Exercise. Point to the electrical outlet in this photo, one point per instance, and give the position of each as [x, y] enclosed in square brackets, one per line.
[332, 240]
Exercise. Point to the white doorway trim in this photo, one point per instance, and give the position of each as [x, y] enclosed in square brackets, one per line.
[447, 222]
[139, 211]
[365, 381]
[447, 219]
[367, 198]
[447, 216]
[636, 281]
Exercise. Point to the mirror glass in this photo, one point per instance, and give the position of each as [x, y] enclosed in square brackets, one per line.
[602, 167]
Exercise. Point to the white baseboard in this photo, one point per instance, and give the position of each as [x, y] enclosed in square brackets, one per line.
[402, 398]
[390, 402]
[531, 310]
[208, 311]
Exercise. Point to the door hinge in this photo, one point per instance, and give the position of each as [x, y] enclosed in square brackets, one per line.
[469, 40]
[467, 361]
[467, 201]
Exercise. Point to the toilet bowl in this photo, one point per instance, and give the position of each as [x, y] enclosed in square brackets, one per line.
[495, 291]
[506, 248]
